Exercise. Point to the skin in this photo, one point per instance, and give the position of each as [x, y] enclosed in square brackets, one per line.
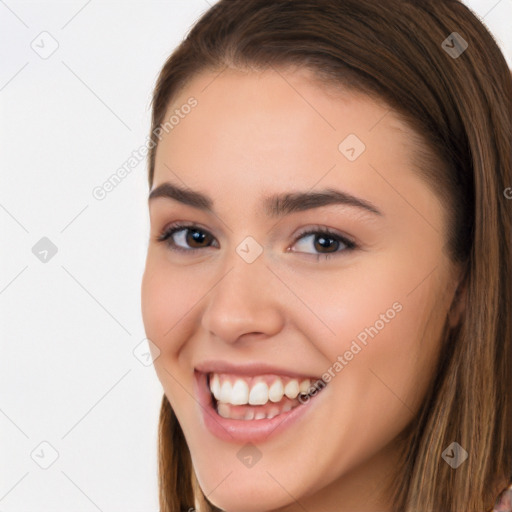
[256, 133]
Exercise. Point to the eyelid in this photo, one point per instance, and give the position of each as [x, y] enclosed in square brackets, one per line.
[315, 229]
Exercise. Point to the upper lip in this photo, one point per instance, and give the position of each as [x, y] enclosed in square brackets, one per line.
[249, 369]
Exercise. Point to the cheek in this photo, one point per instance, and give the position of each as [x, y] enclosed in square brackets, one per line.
[171, 302]
[381, 357]
[377, 328]
[167, 296]
[167, 299]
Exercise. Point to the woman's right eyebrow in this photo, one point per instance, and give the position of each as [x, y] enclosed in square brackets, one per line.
[276, 205]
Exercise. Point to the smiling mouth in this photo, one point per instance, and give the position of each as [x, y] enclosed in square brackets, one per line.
[242, 397]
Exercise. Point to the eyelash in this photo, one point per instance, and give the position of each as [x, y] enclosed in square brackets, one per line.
[166, 237]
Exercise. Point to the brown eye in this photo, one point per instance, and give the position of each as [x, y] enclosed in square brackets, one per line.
[321, 242]
[196, 238]
[186, 238]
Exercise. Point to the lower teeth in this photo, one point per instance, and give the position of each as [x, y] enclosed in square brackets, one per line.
[255, 412]
[250, 412]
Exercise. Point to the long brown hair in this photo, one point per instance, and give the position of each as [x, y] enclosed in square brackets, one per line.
[459, 105]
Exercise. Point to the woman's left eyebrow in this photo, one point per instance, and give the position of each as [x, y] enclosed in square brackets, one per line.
[276, 205]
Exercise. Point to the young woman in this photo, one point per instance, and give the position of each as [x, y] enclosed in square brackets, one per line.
[328, 284]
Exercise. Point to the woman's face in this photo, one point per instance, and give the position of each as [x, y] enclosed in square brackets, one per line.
[253, 297]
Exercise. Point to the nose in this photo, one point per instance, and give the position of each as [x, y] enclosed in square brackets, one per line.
[245, 303]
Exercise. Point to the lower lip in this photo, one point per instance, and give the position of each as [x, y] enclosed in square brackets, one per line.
[244, 431]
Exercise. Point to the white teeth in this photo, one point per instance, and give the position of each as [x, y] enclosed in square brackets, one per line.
[226, 411]
[259, 394]
[291, 390]
[223, 410]
[276, 391]
[273, 412]
[215, 386]
[239, 393]
[304, 386]
[225, 391]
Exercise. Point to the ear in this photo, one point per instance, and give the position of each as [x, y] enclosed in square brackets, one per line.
[458, 306]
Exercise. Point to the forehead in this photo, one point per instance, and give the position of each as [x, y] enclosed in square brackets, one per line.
[275, 129]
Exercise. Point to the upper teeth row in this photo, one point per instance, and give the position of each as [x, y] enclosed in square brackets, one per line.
[259, 393]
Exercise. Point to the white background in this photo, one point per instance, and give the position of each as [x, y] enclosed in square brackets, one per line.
[68, 374]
